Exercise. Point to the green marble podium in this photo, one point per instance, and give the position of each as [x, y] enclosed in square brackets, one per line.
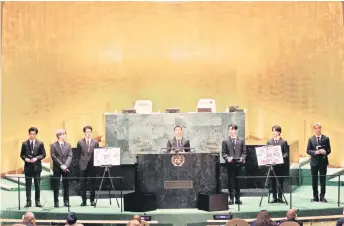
[176, 179]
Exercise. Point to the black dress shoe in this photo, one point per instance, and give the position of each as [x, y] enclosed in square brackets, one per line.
[66, 204]
[238, 201]
[56, 204]
[231, 202]
[93, 203]
[280, 200]
[275, 200]
[83, 203]
[38, 204]
[322, 199]
[315, 199]
[28, 204]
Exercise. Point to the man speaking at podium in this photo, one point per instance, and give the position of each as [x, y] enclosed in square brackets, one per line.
[280, 168]
[86, 148]
[234, 153]
[178, 143]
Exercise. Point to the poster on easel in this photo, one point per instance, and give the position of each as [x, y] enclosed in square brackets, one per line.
[107, 157]
[269, 155]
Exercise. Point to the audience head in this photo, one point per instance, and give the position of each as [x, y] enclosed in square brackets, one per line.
[29, 217]
[291, 214]
[71, 218]
[136, 217]
[263, 218]
[134, 223]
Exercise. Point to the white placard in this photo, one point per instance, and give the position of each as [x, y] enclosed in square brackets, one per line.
[269, 155]
[207, 103]
[107, 157]
[143, 106]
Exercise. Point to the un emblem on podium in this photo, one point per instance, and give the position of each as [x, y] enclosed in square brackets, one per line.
[178, 160]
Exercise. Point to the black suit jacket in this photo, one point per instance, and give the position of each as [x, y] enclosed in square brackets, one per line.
[37, 152]
[238, 152]
[172, 144]
[61, 157]
[86, 155]
[311, 149]
[284, 146]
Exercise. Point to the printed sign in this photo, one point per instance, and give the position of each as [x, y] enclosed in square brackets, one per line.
[107, 157]
[269, 155]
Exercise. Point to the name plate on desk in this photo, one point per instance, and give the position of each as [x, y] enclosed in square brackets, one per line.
[178, 184]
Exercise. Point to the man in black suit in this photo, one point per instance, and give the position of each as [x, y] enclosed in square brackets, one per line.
[234, 153]
[61, 154]
[85, 149]
[32, 153]
[319, 148]
[178, 143]
[280, 168]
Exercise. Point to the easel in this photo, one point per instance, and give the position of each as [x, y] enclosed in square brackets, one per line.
[107, 169]
[268, 175]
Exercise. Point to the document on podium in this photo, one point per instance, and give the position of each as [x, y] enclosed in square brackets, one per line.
[269, 155]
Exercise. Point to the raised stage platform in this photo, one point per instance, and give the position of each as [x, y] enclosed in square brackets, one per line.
[300, 200]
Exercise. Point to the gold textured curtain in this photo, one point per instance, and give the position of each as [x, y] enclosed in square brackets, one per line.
[65, 63]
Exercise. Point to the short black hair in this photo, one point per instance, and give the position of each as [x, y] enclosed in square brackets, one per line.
[71, 218]
[33, 129]
[178, 127]
[86, 128]
[277, 128]
[235, 127]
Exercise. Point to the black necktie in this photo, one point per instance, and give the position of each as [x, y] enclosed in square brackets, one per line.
[61, 147]
[318, 140]
[276, 141]
[88, 146]
[31, 146]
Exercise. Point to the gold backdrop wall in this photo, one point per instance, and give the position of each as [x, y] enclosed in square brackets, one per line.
[65, 63]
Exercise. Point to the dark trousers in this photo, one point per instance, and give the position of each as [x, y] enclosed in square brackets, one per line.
[36, 177]
[233, 170]
[279, 171]
[319, 170]
[87, 176]
[57, 175]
